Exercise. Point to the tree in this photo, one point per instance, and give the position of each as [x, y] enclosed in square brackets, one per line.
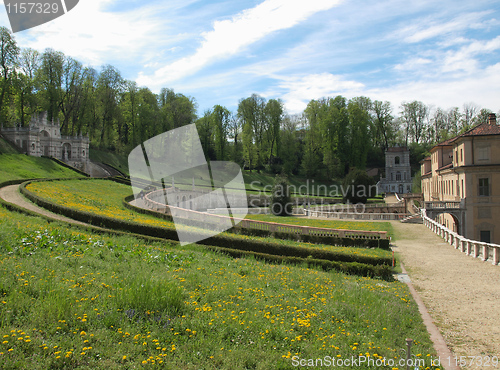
[251, 114]
[274, 116]
[290, 146]
[9, 52]
[220, 122]
[49, 78]
[383, 121]
[28, 62]
[281, 200]
[109, 88]
[358, 187]
[205, 131]
[414, 116]
[71, 90]
[470, 110]
[481, 117]
[359, 133]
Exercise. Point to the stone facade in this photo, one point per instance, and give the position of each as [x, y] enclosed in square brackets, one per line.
[461, 183]
[43, 138]
[397, 172]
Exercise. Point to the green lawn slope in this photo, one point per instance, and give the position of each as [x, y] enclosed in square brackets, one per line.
[21, 166]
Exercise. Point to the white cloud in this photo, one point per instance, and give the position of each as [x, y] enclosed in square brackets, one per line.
[482, 88]
[302, 89]
[430, 29]
[95, 36]
[230, 37]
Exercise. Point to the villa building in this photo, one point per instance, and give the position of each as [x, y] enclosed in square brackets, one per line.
[461, 182]
[43, 138]
[397, 172]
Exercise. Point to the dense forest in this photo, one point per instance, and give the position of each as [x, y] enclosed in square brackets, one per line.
[329, 138]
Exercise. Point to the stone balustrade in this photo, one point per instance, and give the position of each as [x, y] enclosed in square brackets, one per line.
[485, 251]
[359, 216]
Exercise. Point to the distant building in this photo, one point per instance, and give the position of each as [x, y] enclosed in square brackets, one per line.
[43, 138]
[397, 172]
[461, 182]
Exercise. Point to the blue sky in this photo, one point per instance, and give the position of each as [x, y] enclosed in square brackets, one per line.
[444, 53]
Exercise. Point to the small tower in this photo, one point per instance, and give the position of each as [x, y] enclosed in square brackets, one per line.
[397, 171]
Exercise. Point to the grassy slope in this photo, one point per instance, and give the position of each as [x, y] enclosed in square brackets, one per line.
[116, 160]
[20, 166]
[92, 301]
[7, 148]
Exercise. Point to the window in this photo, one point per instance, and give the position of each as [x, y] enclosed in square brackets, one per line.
[398, 176]
[461, 155]
[485, 236]
[396, 160]
[463, 189]
[484, 187]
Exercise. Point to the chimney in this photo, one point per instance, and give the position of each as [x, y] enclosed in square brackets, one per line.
[492, 119]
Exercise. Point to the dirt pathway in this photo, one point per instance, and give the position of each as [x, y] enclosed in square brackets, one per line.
[11, 194]
[461, 293]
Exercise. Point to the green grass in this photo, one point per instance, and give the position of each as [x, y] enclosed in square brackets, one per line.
[71, 299]
[118, 161]
[333, 224]
[21, 166]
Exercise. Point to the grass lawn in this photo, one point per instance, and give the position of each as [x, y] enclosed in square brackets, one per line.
[333, 224]
[71, 299]
[21, 166]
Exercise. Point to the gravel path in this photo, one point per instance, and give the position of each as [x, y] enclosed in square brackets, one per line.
[11, 194]
[461, 293]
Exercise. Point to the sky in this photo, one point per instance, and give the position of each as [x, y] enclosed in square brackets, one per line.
[444, 53]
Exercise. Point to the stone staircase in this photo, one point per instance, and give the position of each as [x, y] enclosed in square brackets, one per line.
[413, 219]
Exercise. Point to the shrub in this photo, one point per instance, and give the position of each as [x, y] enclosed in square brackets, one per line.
[358, 187]
[281, 201]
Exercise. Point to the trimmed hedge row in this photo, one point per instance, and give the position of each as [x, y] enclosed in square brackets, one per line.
[259, 246]
[352, 268]
[316, 239]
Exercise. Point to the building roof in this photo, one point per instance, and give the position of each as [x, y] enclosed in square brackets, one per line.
[482, 129]
[450, 165]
